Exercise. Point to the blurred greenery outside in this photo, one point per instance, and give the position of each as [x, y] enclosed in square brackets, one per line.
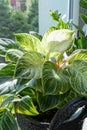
[18, 21]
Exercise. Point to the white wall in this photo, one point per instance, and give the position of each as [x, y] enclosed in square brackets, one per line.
[45, 20]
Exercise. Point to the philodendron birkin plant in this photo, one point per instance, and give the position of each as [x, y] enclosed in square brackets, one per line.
[38, 75]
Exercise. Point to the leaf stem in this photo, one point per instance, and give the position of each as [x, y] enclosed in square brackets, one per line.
[47, 56]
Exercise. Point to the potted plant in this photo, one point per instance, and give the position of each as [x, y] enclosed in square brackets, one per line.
[39, 75]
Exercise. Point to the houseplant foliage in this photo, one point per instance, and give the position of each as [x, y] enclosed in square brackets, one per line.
[81, 40]
[36, 74]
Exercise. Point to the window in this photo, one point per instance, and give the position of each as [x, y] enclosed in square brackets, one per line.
[18, 16]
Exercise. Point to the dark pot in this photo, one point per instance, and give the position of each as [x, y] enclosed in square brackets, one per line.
[27, 123]
[71, 116]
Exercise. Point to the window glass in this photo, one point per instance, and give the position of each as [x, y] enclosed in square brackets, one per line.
[18, 16]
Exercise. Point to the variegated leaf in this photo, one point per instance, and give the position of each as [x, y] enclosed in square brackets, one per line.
[7, 120]
[78, 77]
[30, 65]
[55, 80]
[26, 106]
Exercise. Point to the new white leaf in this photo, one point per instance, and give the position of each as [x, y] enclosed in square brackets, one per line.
[60, 40]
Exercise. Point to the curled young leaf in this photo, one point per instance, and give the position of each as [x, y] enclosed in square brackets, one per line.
[60, 40]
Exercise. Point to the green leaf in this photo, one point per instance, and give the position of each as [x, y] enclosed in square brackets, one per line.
[29, 92]
[81, 43]
[26, 106]
[78, 77]
[62, 25]
[80, 29]
[26, 86]
[7, 120]
[84, 18]
[55, 80]
[36, 35]
[80, 54]
[7, 85]
[6, 99]
[34, 84]
[28, 42]
[7, 69]
[7, 82]
[8, 43]
[30, 65]
[60, 40]
[47, 102]
[83, 4]
[55, 15]
[2, 65]
[2, 50]
[13, 54]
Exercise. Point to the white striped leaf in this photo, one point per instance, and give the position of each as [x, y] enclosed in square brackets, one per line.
[13, 55]
[26, 106]
[55, 80]
[30, 65]
[7, 120]
[48, 102]
[80, 54]
[60, 40]
[28, 42]
[78, 77]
